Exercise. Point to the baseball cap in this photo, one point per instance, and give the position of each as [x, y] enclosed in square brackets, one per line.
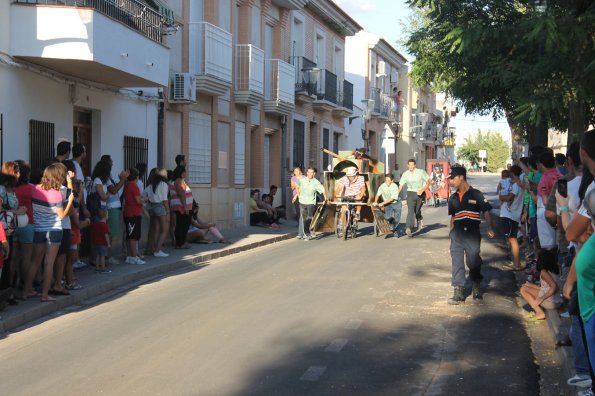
[457, 171]
[351, 171]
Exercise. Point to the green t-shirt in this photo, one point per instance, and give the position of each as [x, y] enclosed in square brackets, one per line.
[585, 274]
[386, 192]
[414, 180]
[308, 189]
[535, 178]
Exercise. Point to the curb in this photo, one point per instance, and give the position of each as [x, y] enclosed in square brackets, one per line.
[126, 282]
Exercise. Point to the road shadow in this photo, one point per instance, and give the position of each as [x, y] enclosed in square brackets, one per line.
[488, 354]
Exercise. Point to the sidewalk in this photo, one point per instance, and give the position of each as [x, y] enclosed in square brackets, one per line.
[126, 276]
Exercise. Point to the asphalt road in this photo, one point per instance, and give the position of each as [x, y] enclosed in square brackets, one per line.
[324, 317]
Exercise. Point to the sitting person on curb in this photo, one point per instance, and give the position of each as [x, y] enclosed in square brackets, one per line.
[267, 203]
[545, 295]
[199, 229]
[258, 216]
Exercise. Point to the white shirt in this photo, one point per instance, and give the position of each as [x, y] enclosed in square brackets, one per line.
[514, 209]
[80, 176]
[66, 219]
[505, 186]
[160, 193]
[583, 211]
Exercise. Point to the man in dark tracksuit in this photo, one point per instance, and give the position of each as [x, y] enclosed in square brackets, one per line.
[465, 207]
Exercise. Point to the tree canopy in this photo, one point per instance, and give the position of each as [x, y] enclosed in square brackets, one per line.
[498, 150]
[510, 58]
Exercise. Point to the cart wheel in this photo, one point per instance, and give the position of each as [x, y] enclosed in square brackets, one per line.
[347, 228]
[338, 227]
[354, 229]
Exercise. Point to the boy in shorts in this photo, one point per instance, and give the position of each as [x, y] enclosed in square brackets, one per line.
[101, 240]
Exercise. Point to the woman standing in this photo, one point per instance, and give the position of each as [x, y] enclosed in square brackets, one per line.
[23, 236]
[181, 204]
[48, 212]
[159, 210]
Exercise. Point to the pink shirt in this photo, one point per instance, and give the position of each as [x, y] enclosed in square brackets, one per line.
[352, 188]
[546, 184]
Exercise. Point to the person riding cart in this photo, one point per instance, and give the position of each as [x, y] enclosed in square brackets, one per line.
[351, 186]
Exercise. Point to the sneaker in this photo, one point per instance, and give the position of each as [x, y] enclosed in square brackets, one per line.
[582, 381]
[299, 237]
[73, 286]
[409, 232]
[78, 264]
[307, 238]
[356, 216]
[476, 290]
[160, 253]
[138, 261]
[420, 224]
[586, 392]
[129, 260]
[458, 297]
[112, 261]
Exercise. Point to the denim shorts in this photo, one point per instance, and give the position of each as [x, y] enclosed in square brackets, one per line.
[24, 234]
[52, 237]
[101, 251]
[157, 209]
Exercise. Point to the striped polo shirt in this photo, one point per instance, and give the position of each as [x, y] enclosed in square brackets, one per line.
[466, 209]
[175, 205]
[45, 205]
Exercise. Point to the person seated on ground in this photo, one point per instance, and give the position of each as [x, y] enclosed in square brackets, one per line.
[546, 295]
[351, 186]
[281, 208]
[258, 216]
[199, 229]
[267, 203]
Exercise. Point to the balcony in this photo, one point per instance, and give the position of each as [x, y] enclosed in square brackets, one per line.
[291, 4]
[210, 58]
[344, 99]
[117, 44]
[279, 87]
[306, 86]
[249, 87]
[326, 100]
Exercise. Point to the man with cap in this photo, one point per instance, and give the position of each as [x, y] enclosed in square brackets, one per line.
[417, 182]
[465, 207]
[353, 186]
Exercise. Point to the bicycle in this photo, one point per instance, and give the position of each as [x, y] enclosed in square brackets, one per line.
[349, 229]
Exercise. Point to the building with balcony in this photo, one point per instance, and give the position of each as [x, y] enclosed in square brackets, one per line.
[86, 71]
[378, 72]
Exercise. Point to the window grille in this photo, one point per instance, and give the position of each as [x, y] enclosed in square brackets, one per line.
[136, 150]
[299, 147]
[41, 143]
[199, 148]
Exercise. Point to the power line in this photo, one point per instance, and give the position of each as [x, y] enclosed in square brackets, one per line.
[470, 120]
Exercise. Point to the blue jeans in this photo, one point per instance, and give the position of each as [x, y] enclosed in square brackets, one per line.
[590, 335]
[581, 361]
[393, 211]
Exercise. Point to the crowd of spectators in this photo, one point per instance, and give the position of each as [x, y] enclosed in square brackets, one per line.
[51, 217]
[548, 207]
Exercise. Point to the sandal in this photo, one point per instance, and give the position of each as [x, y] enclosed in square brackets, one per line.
[49, 299]
[224, 241]
[73, 286]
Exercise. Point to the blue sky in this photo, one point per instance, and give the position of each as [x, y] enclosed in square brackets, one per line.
[384, 17]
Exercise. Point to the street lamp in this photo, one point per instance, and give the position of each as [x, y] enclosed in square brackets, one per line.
[367, 107]
[310, 75]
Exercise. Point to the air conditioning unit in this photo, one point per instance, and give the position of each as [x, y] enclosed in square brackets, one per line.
[381, 68]
[182, 88]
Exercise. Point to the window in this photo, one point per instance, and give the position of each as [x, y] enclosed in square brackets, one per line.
[299, 152]
[223, 153]
[199, 148]
[297, 36]
[136, 150]
[336, 137]
[224, 14]
[326, 136]
[255, 24]
[240, 153]
[41, 143]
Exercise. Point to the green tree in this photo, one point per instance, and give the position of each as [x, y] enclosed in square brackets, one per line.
[498, 150]
[507, 58]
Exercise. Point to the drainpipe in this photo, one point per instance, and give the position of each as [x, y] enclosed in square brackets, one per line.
[160, 137]
[284, 159]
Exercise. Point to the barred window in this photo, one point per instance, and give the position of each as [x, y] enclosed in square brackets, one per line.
[199, 148]
[136, 150]
[41, 143]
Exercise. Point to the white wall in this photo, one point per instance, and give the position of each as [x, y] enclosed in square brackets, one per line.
[27, 95]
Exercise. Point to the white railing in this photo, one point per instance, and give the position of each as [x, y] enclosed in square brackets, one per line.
[210, 51]
[250, 68]
[280, 84]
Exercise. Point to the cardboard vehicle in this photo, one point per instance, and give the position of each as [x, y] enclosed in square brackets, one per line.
[373, 172]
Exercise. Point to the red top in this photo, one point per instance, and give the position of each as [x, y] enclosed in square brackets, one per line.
[23, 194]
[131, 207]
[547, 182]
[2, 239]
[98, 231]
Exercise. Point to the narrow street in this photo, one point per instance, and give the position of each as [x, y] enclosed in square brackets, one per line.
[324, 317]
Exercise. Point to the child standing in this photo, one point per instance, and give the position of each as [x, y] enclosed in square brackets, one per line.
[101, 241]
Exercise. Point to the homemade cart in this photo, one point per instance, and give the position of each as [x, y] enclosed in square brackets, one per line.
[327, 213]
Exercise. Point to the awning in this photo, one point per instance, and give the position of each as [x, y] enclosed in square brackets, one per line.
[161, 7]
